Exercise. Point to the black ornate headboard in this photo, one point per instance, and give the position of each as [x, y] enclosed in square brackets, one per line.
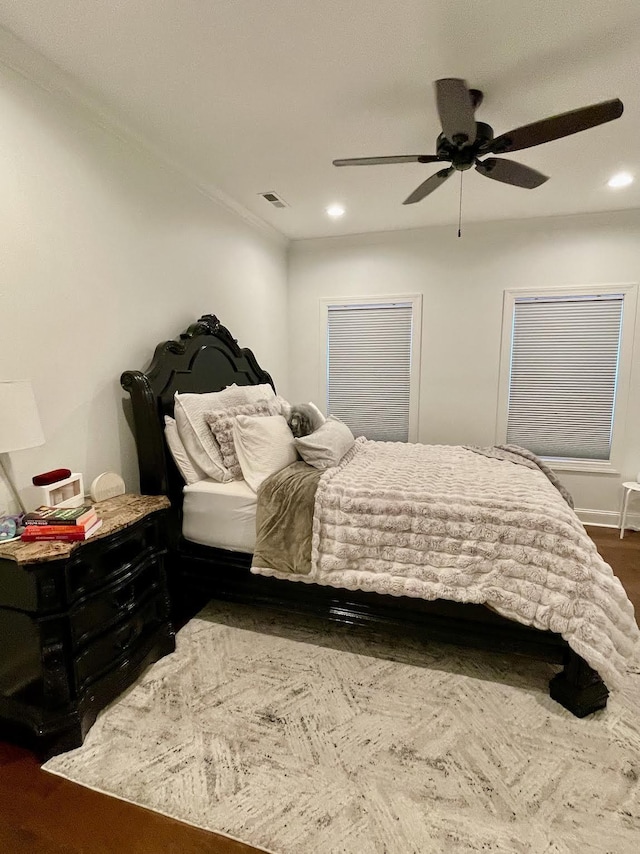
[205, 358]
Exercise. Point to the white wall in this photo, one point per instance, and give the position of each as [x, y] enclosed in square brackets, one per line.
[462, 281]
[106, 252]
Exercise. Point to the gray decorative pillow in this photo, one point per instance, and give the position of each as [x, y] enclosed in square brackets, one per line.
[304, 418]
[327, 446]
[221, 425]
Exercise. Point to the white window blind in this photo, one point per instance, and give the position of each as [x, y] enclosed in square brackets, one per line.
[369, 368]
[564, 366]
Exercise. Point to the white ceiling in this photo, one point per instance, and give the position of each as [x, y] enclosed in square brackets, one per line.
[258, 95]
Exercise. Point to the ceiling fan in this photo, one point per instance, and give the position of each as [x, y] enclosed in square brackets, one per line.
[464, 141]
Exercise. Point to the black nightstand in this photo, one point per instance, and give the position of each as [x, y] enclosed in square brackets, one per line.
[79, 622]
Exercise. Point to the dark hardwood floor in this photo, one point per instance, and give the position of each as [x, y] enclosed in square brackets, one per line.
[43, 814]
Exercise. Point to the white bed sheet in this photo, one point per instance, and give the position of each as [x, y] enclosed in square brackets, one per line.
[220, 514]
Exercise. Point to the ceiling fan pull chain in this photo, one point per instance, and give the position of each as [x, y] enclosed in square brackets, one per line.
[460, 208]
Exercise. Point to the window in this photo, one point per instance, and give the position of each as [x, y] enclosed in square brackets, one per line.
[565, 372]
[371, 356]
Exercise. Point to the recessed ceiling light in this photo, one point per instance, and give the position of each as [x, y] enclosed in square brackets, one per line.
[621, 179]
[335, 211]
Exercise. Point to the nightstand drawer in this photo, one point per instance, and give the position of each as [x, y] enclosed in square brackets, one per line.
[104, 559]
[112, 649]
[91, 616]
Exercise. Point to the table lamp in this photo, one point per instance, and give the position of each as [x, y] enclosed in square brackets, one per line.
[20, 426]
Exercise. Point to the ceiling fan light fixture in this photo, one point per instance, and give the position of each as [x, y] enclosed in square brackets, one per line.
[335, 211]
[620, 179]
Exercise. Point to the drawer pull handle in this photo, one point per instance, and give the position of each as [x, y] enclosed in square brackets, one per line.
[127, 639]
[123, 599]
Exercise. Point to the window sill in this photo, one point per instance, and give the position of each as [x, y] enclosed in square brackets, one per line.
[581, 466]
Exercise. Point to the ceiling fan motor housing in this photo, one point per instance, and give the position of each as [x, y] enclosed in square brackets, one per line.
[464, 156]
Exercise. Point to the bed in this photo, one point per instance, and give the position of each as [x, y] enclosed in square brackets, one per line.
[206, 358]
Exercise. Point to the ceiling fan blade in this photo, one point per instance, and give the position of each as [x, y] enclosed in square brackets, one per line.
[555, 127]
[510, 172]
[455, 108]
[380, 161]
[429, 186]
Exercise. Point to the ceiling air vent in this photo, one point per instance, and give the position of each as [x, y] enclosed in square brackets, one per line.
[274, 199]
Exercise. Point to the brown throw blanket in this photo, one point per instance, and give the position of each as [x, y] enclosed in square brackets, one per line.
[284, 519]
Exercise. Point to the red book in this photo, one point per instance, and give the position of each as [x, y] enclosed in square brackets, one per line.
[34, 534]
[40, 530]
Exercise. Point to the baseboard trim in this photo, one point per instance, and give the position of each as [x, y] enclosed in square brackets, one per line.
[608, 518]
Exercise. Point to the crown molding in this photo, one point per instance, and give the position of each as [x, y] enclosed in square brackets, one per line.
[29, 63]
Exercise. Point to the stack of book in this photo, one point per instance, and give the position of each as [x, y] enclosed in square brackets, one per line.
[60, 523]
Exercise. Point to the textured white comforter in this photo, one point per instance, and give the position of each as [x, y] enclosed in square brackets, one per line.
[440, 521]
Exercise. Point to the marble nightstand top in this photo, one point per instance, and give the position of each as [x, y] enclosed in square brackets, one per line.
[116, 513]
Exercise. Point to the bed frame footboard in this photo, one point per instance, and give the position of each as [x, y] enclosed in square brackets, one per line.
[203, 573]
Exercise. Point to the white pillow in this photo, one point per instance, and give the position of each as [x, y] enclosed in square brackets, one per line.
[190, 472]
[221, 424]
[235, 395]
[189, 411]
[327, 445]
[264, 445]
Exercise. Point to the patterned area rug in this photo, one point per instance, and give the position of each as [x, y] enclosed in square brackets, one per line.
[298, 737]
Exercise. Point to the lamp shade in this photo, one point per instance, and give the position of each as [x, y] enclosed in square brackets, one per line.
[19, 420]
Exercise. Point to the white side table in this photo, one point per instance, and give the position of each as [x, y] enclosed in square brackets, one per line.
[629, 487]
